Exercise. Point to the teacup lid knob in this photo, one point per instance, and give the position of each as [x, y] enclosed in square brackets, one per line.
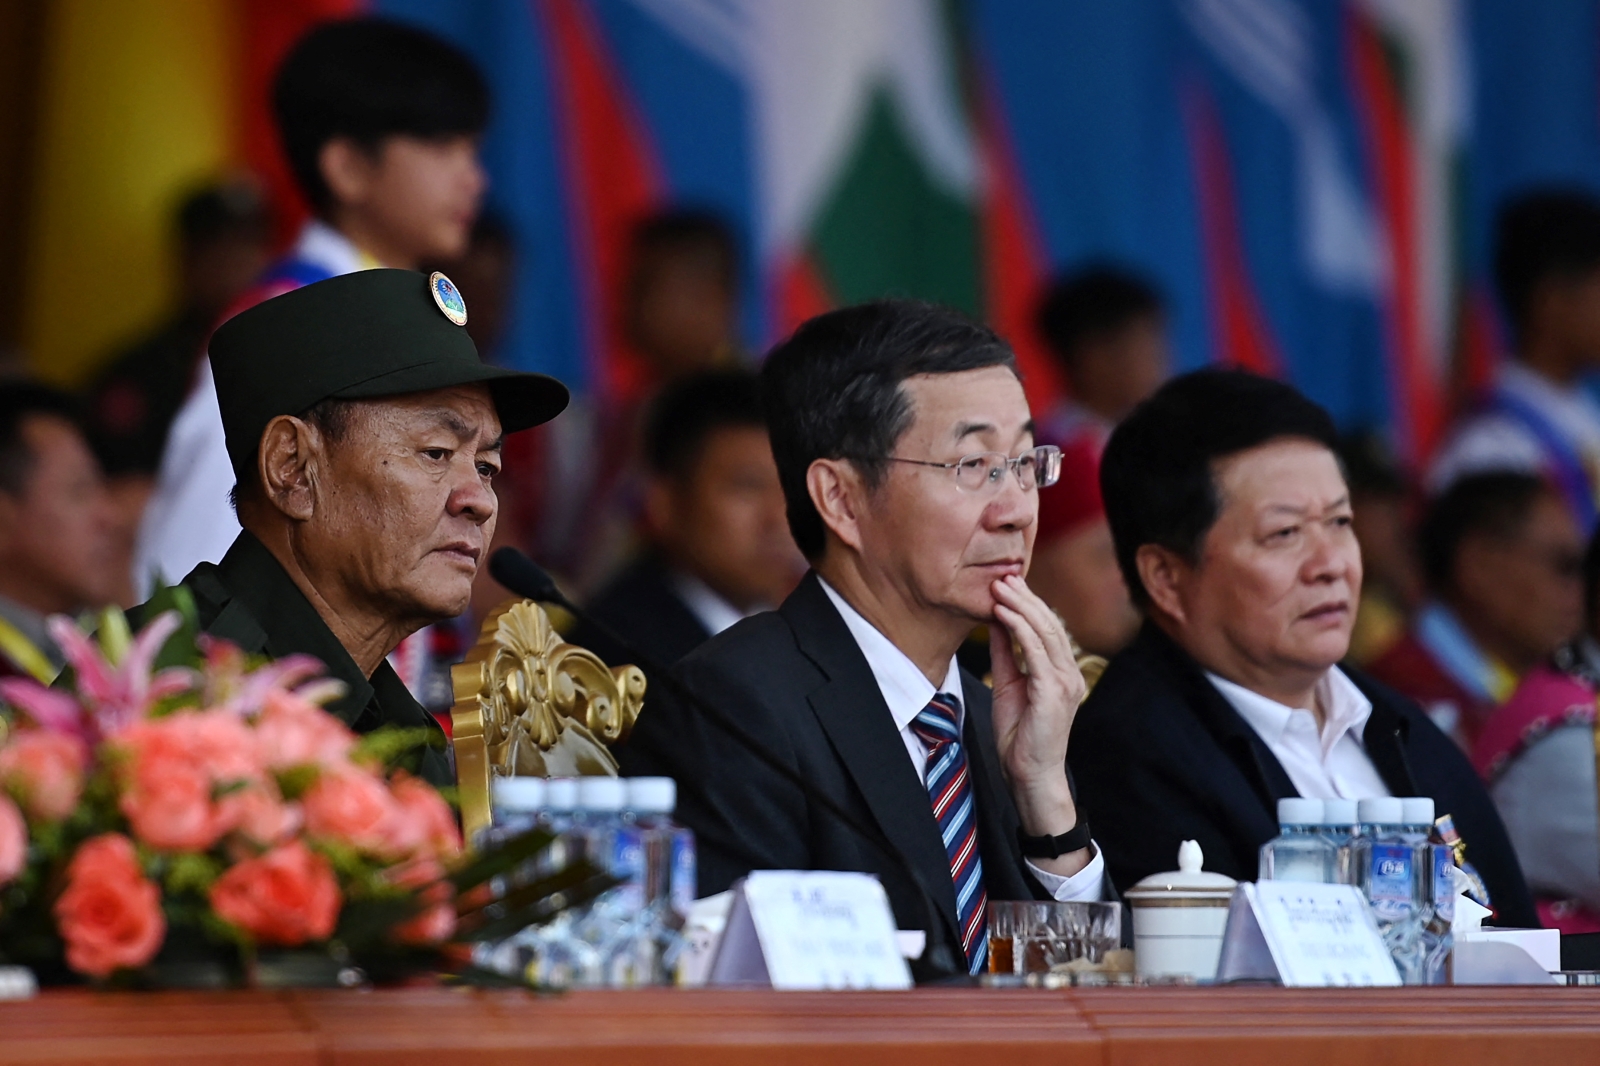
[1190, 858]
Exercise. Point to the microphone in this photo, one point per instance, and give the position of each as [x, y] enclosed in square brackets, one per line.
[528, 579]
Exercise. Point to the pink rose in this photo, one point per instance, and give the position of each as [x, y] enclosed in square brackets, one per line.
[45, 770]
[294, 732]
[438, 921]
[110, 914]
[13, 841]
[259, 813]
[286, 897]
[222, 743]
[353, 807]
[167, 788]
[427, 825]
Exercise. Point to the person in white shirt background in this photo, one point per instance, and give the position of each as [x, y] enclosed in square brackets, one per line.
[1539, 416]
[380, 122]
[1233, 528]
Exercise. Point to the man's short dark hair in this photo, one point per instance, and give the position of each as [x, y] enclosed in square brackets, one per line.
[1093, 303]
[686, 414]
[1158, 473]
[20, 401]
[369, 79]
[231, 208]
[833, 390]
[1545, 235]
[685, 230]
[1495, 505]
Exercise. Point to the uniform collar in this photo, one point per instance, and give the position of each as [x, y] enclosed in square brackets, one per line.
[905, 688]
[321, 245]
[291, 626]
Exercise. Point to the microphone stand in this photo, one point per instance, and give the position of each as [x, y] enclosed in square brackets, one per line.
[523, 576]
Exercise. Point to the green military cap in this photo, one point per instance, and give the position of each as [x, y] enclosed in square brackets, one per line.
[354, 337]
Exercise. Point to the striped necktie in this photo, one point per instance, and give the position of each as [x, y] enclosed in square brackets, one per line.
[950, 792]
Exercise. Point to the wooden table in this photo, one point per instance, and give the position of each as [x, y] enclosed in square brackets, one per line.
[928, 1027]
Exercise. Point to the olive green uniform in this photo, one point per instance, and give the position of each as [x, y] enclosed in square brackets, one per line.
[249, 600]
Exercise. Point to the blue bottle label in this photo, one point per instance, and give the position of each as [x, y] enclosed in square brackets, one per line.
[1389, 879]
[683, 889]
[1444, 886]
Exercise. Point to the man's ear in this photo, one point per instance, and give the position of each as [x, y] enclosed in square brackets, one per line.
[837, 492]
[1163, 571]
[346, 169]
[288, 466]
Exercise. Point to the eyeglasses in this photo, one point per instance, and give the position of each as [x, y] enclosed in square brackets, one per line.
[1035, 469]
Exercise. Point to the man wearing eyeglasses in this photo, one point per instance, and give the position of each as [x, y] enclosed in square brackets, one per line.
[905, 448]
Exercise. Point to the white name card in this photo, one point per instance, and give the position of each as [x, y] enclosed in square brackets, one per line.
[1304, 935]
[794, 929]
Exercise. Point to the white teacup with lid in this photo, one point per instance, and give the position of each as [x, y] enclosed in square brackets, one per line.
[1179, 917]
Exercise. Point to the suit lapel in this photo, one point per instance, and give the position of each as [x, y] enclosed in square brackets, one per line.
[1384, 740]
[1245, 749]
[852, 713]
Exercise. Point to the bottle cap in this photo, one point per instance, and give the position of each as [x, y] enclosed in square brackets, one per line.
[1381, 810]
[520, 794]
[652, 795]
[602, 793]
[1339, 812]
[1299, 810]
[561, 793]
[1417, 810]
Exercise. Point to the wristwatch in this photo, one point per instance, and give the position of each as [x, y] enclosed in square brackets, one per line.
[1047, 847]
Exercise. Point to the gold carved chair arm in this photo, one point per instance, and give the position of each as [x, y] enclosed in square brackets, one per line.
[529, 704]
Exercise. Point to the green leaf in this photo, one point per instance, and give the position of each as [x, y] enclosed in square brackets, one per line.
[182, 647]
[388, 744]
[115, 637]
[504, 857]
[192, 872]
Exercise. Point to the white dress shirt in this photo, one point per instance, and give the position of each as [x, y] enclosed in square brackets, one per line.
[708, 608]
[188, 520]
[907, 691]
[1330, 764]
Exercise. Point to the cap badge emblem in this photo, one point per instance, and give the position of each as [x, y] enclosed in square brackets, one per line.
[448, 297]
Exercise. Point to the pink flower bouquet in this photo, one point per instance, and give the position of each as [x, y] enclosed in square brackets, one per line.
[174, 793]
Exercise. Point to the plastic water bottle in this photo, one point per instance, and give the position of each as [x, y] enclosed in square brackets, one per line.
[1341, 827]
[515, 805]
[1386, 856]
[669, 849]
[1299, 852]
[1435, 860]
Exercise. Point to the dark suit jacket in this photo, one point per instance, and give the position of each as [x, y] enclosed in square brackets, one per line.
[250, 600]
[1159, 757]
[643, 607]
[796, 678]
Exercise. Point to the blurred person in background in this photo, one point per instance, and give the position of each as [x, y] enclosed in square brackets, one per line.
[1537, 753]
[680, 316]
[1502, 558]
[1538, 417]
[718, 547]
[223, 240]
[56, 526]
[1391, 586]
[1107, 328]
[1074, 567]
[380, 123]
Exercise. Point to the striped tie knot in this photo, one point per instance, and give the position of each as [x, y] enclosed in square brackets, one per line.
[935, 724]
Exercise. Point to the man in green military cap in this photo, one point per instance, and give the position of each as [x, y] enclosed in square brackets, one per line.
[364, 433]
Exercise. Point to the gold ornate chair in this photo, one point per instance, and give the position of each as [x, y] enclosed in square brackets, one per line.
[529, 704]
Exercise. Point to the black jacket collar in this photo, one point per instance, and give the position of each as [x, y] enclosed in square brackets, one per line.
[1384, 737]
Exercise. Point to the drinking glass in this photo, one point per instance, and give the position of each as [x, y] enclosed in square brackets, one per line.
[1036, 937]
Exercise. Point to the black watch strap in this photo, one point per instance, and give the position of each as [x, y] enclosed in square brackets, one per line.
[1075, 839]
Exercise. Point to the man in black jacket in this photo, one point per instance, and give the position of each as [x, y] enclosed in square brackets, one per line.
[1232, 526]
[906, 453]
